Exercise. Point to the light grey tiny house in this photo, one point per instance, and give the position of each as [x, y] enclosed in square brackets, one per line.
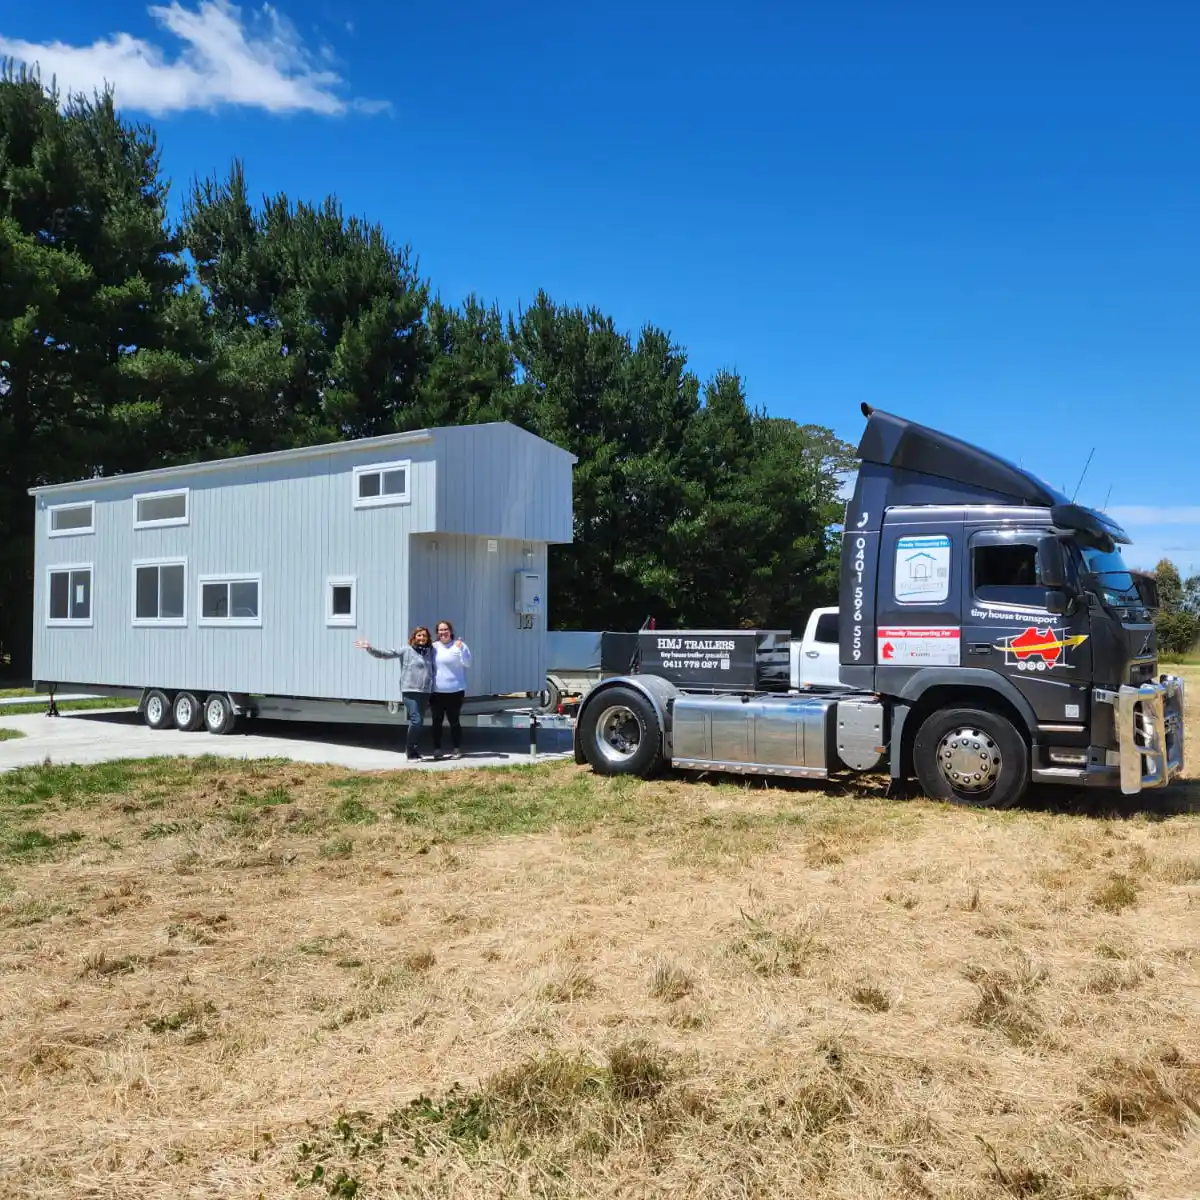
[242, 584]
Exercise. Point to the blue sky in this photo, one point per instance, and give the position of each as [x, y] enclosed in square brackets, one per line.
[979, 216]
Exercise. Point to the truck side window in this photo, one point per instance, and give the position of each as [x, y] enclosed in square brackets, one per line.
[1007, 573]
[827, 628]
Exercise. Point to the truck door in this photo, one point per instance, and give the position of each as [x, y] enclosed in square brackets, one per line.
[819, 649]
[1007, 628]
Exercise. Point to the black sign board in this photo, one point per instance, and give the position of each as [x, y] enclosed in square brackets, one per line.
[719, 660]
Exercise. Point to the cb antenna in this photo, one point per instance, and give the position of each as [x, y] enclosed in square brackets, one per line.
[1083, 473]
[1104, 506]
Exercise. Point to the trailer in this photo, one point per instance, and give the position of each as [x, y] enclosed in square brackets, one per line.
[990, 636]
[237, 587]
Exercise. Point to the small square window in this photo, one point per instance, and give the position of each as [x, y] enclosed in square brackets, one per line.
[341, 601]
[380, 484]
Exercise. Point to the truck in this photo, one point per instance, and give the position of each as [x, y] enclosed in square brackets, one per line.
[990, 636]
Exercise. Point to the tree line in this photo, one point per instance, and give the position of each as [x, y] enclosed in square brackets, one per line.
[1178, 618]
[129, 341]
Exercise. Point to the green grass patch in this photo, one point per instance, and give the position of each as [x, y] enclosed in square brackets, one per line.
[64, 706]
[10, 735]
[16, 693]
[32, 845]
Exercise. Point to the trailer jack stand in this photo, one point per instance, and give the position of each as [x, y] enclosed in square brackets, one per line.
[52, 706]
[533, 728]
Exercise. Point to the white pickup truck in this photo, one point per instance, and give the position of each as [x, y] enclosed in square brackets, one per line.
[814, 657]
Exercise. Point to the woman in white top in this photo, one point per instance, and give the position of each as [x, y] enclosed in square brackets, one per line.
[452, 657]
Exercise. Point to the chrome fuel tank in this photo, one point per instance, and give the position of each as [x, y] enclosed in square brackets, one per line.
[756, 735]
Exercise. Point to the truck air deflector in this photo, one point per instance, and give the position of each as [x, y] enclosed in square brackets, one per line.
[902, 445]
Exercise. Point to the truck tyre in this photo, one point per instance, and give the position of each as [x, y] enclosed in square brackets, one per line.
[551, 698]
[219, 716]
[187, 712]
[971, 756]
[620, 734]
[157, 709]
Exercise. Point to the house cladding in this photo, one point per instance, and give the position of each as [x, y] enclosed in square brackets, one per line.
[257, 574]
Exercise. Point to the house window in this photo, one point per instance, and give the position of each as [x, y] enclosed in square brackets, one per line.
[159, 589]
[341, 606]
[155, 509]
[381, 483]
[69, 596]
[69, 519]
[1007, 573]
[230, 600]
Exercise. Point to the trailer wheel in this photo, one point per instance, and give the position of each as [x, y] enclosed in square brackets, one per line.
[551, 696]
[620, 734]
[187, 712]
[157, 710]
[219, 716]
[971, 756]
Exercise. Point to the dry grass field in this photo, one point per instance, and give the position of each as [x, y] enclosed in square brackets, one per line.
[242, 980]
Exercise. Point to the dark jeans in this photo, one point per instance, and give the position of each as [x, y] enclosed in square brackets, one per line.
[415, 704]
[446, 704]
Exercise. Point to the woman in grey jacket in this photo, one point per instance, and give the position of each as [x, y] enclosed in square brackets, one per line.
[416, 679]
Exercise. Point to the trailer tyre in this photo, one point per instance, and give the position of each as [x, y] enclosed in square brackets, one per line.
[219, 716]
[620, 734]
[157, 710]
[187, 712]
[971, 756]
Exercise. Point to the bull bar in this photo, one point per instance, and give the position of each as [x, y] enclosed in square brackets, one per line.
[1149, 725]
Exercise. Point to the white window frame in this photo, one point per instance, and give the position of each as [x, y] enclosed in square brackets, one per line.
[57, 533]
[159, 622]
[229, 622]
[381, 501]
[69, 622]
[339, 620]
[161, 494]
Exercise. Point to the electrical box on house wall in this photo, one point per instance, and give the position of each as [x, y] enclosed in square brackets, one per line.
[529, 596]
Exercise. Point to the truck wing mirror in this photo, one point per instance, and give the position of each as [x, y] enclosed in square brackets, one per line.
[1052, 566]
[1057, 603]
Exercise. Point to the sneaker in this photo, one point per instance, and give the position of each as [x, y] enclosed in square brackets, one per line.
[414, 755]
[456, 753]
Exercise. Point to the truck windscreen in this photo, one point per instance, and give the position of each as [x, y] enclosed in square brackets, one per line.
[1111, 578]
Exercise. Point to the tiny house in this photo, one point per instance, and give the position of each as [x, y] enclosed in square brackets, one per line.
[241, 585]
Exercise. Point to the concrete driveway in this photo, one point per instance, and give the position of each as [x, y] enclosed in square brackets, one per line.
[104, 735]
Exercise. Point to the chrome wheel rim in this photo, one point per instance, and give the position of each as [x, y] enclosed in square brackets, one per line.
[969, 759]
[154, 710]
[618, 734]
[183, 712]
[215, 712]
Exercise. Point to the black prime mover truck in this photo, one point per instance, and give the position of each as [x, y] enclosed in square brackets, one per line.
[990, 636]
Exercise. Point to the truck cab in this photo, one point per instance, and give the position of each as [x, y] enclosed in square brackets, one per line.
[990, 635]
[814, 656]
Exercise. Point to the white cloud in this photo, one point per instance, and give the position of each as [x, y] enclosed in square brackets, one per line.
[254, 62]
[1168, 514]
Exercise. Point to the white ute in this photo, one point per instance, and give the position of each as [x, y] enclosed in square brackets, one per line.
[814, 658]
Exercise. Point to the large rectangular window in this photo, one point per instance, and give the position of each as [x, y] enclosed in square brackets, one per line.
[381, 483]
[67, 520]
[159, 592]
[230, 600]
[341, 601]
[155, 509]
[1007, 573]
[69, 595]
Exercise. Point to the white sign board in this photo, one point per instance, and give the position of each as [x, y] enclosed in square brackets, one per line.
[922, 569]
[917, 647]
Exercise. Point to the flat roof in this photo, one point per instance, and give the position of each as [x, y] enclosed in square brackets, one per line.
[385, 441]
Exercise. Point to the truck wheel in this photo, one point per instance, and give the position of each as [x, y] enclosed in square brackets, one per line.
[157, 710]
[219, 716]
[551, 698]
[971, 756]
[187, 712]
[620, 734]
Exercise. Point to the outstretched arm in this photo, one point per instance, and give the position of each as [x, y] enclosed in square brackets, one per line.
[464, 652]
[375, 652]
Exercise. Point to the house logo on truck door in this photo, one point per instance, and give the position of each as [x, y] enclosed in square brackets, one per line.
[1035, 649]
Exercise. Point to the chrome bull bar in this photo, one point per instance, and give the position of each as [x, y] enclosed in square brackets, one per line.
[1149, 721]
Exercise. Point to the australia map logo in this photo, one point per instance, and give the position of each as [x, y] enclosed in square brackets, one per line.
[1036, 649]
